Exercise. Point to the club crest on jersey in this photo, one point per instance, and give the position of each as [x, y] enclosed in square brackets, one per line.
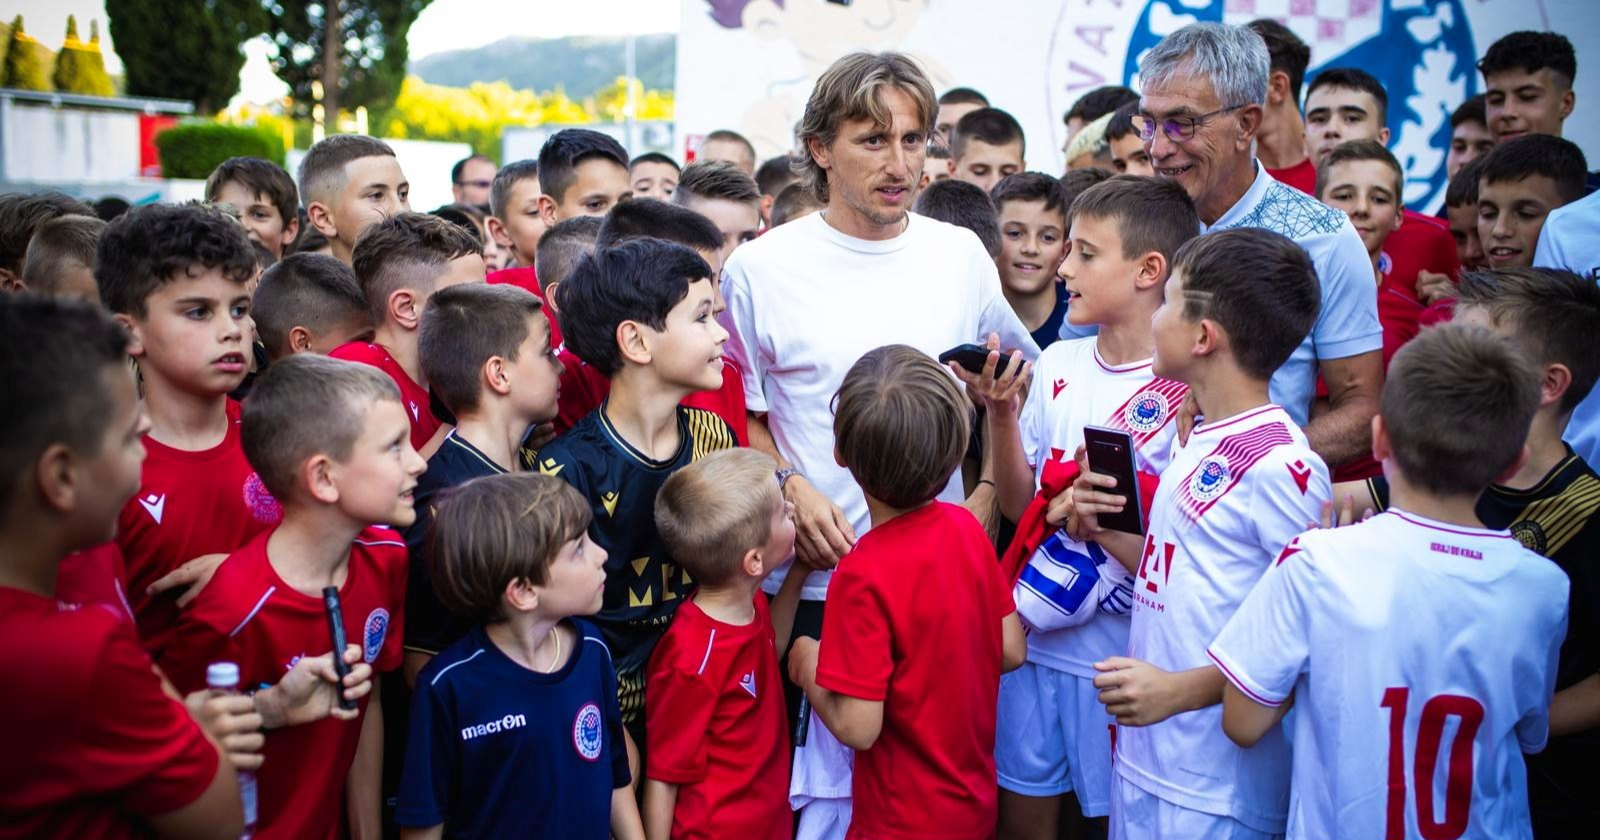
[586, 732]
[373, 633]
[1210, 479]
[1146, 411]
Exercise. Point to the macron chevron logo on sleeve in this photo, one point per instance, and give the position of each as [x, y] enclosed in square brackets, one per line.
[154, 505]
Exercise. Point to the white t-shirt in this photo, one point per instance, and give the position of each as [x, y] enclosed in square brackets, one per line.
[1570, 239]
[1072, 388]
[1347, 325]
[805, 302]
[1418, 652]
[1227, 505]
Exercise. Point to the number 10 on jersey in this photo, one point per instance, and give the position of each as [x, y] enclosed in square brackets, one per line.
[1429, 740]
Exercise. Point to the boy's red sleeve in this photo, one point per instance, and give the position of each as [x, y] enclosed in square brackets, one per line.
[678, 708]
[191, 648]
[856, 656]
[137, 743]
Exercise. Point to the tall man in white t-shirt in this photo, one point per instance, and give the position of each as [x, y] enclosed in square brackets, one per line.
[809, 298]
[1203, 91]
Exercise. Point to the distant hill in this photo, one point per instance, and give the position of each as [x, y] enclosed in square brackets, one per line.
[579, 65]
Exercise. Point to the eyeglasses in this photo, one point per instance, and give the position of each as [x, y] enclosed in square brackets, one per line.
[482, 185]
[1177, 129]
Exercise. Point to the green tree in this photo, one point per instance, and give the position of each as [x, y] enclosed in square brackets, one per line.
[184, 49]
[27, 61]
[372, 55]
[80, 68]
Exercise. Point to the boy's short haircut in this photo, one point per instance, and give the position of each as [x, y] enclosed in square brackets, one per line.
[564, 245]
[654, 157]
[57, 247]
[1531, 52]
[1475, 109]
[1353, 78]
[900, 424]
[505, 178]
[990, 125]
[1259, 286]
[1121, 124]
[304, 405]
[310, 240]
[559, 159]
[938, 151]
[22, 213]
[54, 353]
[406, 251]
[1076, 181]
[1099, 102]
[149, 246]
[494, 530]
[727, 135]
[774, 175]
[464, 216]
[963, 96]
[793, 202]
[1462, 191]
[714, 510]
[261, 177]
[264, 256]
[715, 179]
[322, 170]
[1288, 54]
[1356, 150]
[462, 327]
[1554, 314]
[1150, 214]
[964, 205]
[110, 207]
[1556, 158]
[1030, 186]
[314, 291]
[637, 280]
[648, 217]
[1457, 404]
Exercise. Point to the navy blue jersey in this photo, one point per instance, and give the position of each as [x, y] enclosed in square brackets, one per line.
[1050, 330]
[497, 750]
[430, 627]
[643, 585]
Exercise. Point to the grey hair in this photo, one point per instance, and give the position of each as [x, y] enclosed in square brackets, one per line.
[1234, 58]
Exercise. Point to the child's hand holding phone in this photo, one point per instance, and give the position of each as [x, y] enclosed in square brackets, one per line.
[998, 383]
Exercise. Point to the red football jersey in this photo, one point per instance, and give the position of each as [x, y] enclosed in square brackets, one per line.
[1302, 176]
[92, 741]
[93, 578]
[413, 396]
[715, 722]
[249, 615]
[523, 277]
[189, 504]
[583, 389]
[913, 620]
[1398, 314]
[1422, 243]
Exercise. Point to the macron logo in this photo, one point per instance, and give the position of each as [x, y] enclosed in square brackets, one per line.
[415, 415]
[155, 505]
[748, 683]
[1302, 476]
[1057, 387]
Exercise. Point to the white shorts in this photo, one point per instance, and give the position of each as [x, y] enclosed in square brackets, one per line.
[1139, 815]
[1052, 736]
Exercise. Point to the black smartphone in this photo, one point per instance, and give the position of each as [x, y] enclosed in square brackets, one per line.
[330, 603]
[1111, 453]
[972, 358]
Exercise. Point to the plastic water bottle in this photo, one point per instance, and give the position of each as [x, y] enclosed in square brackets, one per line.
[223, 678]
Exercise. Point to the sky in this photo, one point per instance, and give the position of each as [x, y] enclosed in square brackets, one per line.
[444, 25]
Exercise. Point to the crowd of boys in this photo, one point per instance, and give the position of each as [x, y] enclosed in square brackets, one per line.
[543, 506]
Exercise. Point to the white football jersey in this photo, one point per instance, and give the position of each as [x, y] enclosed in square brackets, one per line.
[1423, 657]
[1072, 388]
[1227, 505]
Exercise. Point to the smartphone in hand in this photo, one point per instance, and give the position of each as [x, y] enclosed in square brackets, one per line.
[1111, 453]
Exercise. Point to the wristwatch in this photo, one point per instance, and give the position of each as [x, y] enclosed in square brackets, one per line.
[784, 475]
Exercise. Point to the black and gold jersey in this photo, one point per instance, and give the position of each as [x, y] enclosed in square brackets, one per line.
[643, 585]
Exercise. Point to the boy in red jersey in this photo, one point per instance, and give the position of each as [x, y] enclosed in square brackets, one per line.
[517, 227]
[920, 622]
[400, 262]
[338, 469]
[176, 277]
[717, 764]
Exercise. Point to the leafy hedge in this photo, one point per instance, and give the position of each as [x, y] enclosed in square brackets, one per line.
[192, 150]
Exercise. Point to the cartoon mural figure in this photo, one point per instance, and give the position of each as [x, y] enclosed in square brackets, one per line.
[820, 31]
[1422, 50]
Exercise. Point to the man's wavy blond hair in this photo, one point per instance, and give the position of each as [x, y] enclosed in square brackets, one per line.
[851, 90]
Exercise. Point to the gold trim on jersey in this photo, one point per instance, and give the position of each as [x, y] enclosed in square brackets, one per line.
[1560, 517]
[709, 432]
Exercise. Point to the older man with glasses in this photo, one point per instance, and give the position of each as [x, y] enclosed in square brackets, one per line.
[1204, 91]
